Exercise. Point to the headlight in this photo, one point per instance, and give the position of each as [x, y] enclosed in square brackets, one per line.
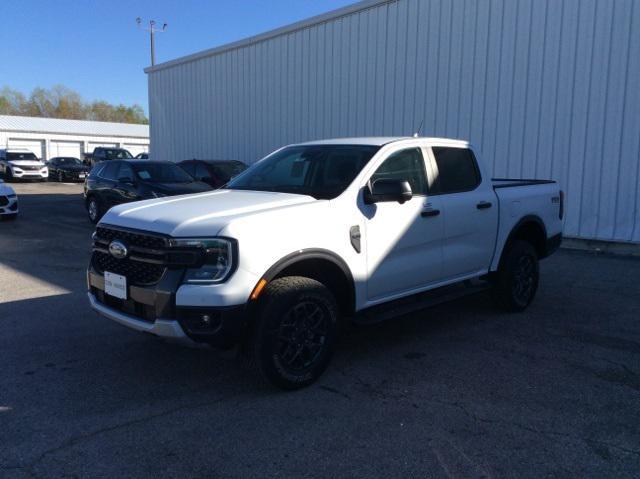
[218, 259]
[17, 169]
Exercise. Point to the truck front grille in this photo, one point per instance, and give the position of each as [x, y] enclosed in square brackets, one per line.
[149, 255]
[138, 273]
[144, 265]
[131, 238]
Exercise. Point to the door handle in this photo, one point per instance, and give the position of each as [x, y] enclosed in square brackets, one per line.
[427, 213]
[483, 205]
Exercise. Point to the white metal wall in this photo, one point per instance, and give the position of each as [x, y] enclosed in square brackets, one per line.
[544, 88]
[49, 145]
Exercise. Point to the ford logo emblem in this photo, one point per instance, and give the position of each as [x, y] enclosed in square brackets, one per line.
[118, 249]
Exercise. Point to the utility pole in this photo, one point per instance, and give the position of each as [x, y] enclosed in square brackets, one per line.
[152, 31]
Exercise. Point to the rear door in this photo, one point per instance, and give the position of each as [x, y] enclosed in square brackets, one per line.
[470, 212]
[106, 182]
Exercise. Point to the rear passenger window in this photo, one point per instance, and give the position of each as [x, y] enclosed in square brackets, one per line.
[189, 167]
[201, 172]
[405, 165]
[126, 172]
[457, 170]
[110, 172]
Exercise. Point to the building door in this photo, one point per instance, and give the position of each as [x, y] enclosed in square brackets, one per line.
[65, 148]
[35, 146]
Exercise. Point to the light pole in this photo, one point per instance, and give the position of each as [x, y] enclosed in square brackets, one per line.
[152, 31]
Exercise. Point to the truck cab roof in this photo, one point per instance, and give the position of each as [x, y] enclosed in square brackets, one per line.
[384, 140]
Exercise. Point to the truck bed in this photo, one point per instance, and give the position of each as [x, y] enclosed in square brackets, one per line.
[511, 182]
[520, 199]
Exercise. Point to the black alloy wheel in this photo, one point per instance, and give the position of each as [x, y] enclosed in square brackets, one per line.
[294, 332]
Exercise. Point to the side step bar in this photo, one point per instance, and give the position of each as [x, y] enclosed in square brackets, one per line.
[417, 302]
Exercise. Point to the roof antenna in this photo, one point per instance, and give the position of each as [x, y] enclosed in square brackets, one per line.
[417, 133]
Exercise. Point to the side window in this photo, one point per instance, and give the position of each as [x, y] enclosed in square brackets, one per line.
[110, 172]
[202, 172]
[457, 170]
[405, 165]
[125, 171]
[96, 170]
[189, 167]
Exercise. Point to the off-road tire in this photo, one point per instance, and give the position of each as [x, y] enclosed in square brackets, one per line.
[516, 281]
[297, 318]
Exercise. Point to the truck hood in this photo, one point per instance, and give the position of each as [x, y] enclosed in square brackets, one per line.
[203, 214]
[27, 163]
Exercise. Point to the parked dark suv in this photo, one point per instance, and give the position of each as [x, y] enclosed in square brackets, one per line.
[103, 153]
[213, 172]
[121, 181]
[67, 168]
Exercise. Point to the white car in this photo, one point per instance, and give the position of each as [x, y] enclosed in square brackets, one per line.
[8, 202]
[21, 163]
[359, 228]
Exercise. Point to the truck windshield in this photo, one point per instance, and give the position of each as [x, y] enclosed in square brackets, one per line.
[320, 171]
[117, 154]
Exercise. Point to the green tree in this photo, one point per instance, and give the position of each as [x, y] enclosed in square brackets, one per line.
[62, 102]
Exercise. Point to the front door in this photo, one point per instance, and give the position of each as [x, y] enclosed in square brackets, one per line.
[404, 241]
[125, 189]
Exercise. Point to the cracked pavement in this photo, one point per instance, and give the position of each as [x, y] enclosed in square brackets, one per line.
[455, 391]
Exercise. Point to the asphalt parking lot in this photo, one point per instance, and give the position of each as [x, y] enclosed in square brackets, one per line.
[456, 391]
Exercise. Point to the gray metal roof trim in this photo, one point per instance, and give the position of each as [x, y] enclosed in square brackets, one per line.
[293, 27]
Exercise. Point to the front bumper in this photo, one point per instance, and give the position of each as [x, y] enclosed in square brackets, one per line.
[166, 328]
[11, 206]
[30, 174]
[153, 309]
[71, 175]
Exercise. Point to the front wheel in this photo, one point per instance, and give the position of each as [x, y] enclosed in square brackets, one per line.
[516, 281]
[295, 332]
[60, 177]
[94, 209]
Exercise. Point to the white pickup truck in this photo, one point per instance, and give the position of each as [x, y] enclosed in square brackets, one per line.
[316, 233]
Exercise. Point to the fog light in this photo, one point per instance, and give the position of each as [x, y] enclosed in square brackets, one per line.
[206, 319]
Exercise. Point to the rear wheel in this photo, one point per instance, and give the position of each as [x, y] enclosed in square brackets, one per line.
[516, 281]
[295, 332]
[94, 209]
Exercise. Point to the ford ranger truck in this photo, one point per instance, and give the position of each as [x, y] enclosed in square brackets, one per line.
[358, 229]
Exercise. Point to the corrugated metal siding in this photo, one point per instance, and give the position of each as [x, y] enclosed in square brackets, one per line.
[544, 88]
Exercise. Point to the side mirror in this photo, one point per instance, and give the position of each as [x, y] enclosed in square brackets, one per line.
[387, 189]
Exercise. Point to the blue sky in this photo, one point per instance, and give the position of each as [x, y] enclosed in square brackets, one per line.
[95, 47]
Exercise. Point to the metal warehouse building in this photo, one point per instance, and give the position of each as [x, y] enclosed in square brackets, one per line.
[49, 137]
[544, 89]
